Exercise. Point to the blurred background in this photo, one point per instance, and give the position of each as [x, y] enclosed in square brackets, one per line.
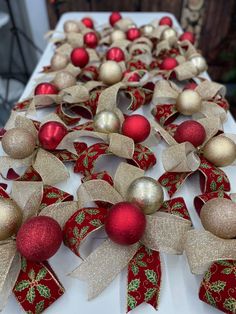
[23, 24]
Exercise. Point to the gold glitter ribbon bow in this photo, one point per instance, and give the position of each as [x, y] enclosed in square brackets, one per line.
[27, 196]
[163, 232]
[48, 166]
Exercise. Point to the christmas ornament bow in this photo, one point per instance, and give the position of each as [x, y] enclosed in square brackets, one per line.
[26, 146]
[205, 99]
[136, 231]
[203, 150]
[31, 279]
[212, 251]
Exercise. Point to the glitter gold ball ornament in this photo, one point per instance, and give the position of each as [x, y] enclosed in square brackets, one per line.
[125, 223]
[199, 62]
[220, 150]
[146, 193]
[10, 218]
[39, 238]
[147, 30]
[106, 122]
[219, 217]
[190, 131]
[18, 143]
[188, 102]
[110, 72]
[64, 79]
[166, 20]
[71, 26]
[59, 61]
[169, 34]
[117, 35]
[51, 133]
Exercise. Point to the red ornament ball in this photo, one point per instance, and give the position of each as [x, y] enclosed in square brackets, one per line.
[187, 36]
[91, 40]
[136, 127]
[39, 238]
[134, 77]
[114, 17]
[166, 20]
[115, 54]
[88, 22]
[190, 85]
[46, 89]
[190, 131]
[50, 134]
[168, 64]
[133, 33]
[125, 223]
[79, 57]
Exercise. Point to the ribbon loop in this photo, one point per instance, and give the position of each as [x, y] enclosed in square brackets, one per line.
[121, 146]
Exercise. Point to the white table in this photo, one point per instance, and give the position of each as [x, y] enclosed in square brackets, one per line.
[179, 290]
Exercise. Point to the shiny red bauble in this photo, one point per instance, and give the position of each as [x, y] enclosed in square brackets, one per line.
[166, 20]
[50, 134]
[46, 89]
[190, 85]
[125, 223]
[39, 238]
[133, 33]
[168, 64]
[114, 17]
[88, 22]
[136, 127]
[79, 57]
[115, 54]
[187, 36]
[134, 77]
[91, 40]
[190, 131]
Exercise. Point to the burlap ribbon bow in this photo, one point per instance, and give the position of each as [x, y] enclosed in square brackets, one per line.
[164, 232]
[27, 196]
[47, 165]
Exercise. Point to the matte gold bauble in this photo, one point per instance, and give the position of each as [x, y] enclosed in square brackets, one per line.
[18, 143]
[10, 218]
[71, 26]
[117, 35]
[146, 193]
[147, 29]
[169, 34]
[219, 217]
[64, 79]
[188, 102]
[59, 61]
[199, 62]
[106, 122]
[220, 150]
[110, 72]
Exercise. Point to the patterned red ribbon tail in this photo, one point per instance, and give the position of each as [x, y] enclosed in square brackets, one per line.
[172, 181]
[165, 114]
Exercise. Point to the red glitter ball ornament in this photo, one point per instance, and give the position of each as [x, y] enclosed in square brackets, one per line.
[166, 20]
[125, 223]
[187, 36]
[190, 85]
[115, 54]
[190, 131]
[91, 40]
[79, 57]
[50, 134]
[168, 64]
[88, 22]
[114, 17]
[46, 89]
[39, 238]
[136, 127]
[133, 33]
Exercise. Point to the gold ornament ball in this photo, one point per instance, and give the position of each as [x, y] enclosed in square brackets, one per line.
[218, 216]
[169, 34]
[10, 218]
[71, 27]
[147, 29]
[59, 62]
[146, 193]
[199, 62]
[188, 102]
[110, 72]
[220, 150]
[106, 122]
[18, 143]
[64, 79]
[117, 35]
